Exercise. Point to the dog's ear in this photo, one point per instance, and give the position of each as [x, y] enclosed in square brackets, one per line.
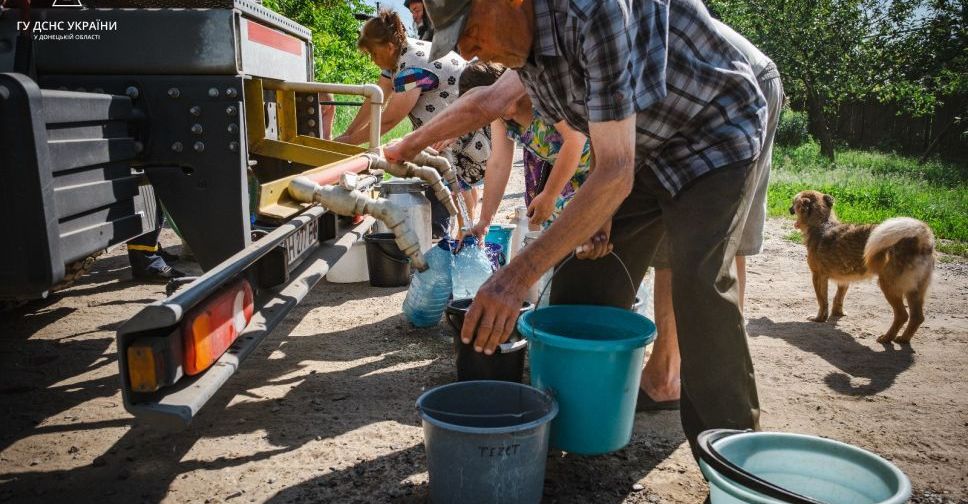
[829, 200]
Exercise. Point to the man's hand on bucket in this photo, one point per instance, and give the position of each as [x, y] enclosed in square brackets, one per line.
[598, 246]
[494, 311]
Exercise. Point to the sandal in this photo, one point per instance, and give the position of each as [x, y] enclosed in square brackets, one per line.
[646, 403]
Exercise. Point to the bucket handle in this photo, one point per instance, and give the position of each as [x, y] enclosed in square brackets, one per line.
[513, 347]
[572, 256]
[470, 415]
[397, 260]
[504, 348]
[735, 473]
[394, 259]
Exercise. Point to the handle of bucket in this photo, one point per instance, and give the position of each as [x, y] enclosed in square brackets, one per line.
[396, 260]
[471, 415]
[572, 256]
[513, 347]
[735, 473]
[503, 347]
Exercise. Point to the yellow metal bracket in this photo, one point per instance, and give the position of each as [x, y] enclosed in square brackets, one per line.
[274, 201]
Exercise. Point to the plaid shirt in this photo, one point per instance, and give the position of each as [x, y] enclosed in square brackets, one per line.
[696, 101]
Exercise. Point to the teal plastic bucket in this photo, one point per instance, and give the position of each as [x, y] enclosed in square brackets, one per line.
[777, 467]
[501, 235]
[589, 358]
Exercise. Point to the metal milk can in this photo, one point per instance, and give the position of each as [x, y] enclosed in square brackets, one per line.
[409, 194]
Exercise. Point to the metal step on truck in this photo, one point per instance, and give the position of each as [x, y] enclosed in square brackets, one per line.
[109, 108]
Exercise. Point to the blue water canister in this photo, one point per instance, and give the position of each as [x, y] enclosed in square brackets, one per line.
[430, 290]
[472, 267]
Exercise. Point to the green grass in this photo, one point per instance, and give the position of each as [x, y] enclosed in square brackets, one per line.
[869, 187]
[345, 115]
[795, 237]
[953, 247]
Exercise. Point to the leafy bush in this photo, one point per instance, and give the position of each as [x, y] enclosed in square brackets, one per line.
[334, 37]
[792, 129]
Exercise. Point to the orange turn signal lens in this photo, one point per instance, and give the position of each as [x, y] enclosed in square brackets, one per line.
[209, 329]
[142, 368]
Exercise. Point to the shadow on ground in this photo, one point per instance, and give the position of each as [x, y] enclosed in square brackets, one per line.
[142, 464]
[856, 361]
[382, 371]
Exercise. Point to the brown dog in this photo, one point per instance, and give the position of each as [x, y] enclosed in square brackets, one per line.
[900, 251]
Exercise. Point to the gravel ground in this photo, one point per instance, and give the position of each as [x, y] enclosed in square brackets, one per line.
[323, 410]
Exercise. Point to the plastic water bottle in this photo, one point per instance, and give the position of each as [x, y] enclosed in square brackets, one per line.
[536, 289]
[430, 290]
[520, 230]
[645, 293]
[472, 268]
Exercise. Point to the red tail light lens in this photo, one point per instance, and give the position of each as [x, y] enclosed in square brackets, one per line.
[209, 329]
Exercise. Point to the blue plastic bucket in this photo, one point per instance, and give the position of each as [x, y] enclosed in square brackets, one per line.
[500, 234]
[486, 441]
[589, 358]
[776, 467]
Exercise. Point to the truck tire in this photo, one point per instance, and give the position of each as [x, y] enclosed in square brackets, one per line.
[75, 270]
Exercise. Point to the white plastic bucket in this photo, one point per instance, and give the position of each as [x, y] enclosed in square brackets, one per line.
[351, 268]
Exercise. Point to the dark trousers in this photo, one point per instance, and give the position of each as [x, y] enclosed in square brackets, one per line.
[701, 225]
[147, 242]
[143, 249]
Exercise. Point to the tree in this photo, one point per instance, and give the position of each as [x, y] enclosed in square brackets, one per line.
[934, 66]
[931, 57]
[826, 50]
[334, 37]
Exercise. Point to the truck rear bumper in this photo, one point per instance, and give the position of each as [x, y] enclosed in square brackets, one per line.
[176, 405]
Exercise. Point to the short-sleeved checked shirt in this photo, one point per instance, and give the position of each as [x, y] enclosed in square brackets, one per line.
[696, 101]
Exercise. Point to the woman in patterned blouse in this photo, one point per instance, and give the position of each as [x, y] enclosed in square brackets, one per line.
[416, 87]
[556, 162]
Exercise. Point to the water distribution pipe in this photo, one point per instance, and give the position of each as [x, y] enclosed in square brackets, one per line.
[345, 201]
[429, 175]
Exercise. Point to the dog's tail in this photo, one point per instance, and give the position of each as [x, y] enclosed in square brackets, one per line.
[889, 233]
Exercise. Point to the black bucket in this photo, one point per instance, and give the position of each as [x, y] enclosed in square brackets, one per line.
[507, 362]
[388, 266]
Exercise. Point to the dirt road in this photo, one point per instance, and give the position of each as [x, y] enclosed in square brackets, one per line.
[324, 410]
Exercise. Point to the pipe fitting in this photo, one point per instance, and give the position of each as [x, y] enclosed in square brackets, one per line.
[428, 174]
[441, 164]
[353, 202]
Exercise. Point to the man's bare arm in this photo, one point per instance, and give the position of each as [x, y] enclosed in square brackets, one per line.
[491, 317]
[469, 113]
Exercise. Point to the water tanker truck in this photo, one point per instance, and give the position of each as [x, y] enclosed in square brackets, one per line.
[108, 107]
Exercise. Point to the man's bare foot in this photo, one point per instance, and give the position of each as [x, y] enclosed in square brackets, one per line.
[661, 398]
[667, 390]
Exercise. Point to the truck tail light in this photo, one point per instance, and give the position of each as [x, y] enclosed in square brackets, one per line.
[210, 328]
[154, 362]
[206, 332]
[143, 368]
